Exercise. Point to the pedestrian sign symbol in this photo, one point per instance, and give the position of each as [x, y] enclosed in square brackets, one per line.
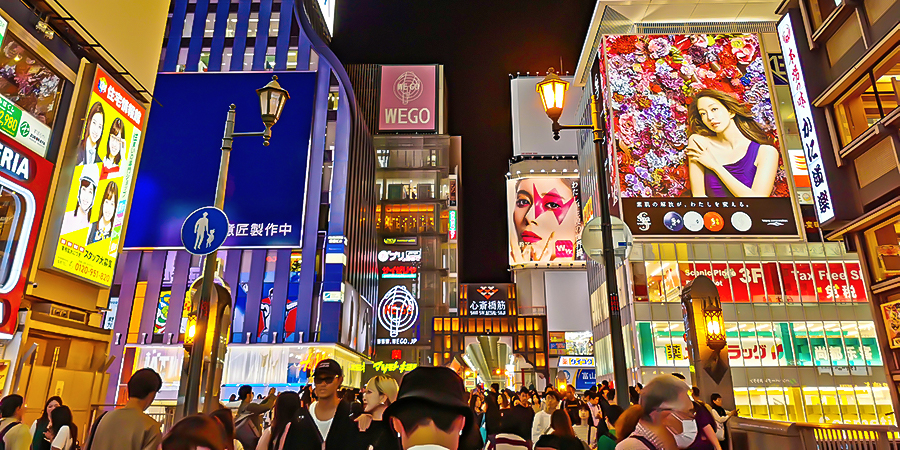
[204, 230]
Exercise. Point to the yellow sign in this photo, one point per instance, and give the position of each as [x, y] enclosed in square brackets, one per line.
[587, 213]
[101, 182]
[385, 367]
[673, 352]
[4, 371]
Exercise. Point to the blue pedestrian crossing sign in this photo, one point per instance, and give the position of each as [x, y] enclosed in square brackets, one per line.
[204, 230]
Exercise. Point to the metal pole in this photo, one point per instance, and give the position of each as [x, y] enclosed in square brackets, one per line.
[192, 394]
[609, 262]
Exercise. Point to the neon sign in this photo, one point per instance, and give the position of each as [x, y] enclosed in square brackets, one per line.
[399, 271]
[451, 224]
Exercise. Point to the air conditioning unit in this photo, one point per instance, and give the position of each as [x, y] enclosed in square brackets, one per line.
[61, 312]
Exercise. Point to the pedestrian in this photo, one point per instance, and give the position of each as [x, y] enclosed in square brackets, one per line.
[521, 416]
[606, 432]
[285, 432]
[356, 408]
[492, 414]
[562, 437]
[706, 425]
[193, 433]
[39, 426]
[541, 424]
[721, 416]
[431, 411]
[508, 439]
[375, 432]
[584, 429]
[248, 422]
[225, 418]
[14, 435]
[633, 396]
[62, 432]
[663, 420]
[638, 387]
[129, 428]
[327, 425]
[306, 397]
[571, 404]
[535, 402]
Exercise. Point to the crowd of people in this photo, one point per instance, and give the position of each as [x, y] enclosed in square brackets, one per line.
[429, 410]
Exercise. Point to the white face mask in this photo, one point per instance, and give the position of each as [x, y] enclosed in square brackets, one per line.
[688, 433]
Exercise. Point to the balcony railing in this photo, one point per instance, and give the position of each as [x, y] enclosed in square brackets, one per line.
[765, 434]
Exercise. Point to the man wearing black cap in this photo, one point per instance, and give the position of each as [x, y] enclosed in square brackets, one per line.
[431, 412]
[328, 421]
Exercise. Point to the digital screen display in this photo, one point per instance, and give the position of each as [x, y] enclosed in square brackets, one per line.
[544, 220]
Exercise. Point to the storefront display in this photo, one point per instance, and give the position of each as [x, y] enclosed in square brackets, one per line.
[29, 94]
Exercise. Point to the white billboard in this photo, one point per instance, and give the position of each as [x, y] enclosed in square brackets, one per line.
[531, 126]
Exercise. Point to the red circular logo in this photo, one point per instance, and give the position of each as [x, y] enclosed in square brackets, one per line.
[713, 221]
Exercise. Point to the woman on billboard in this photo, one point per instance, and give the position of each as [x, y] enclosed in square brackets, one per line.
[80, 217]
[729, 154]
[93, 131]
[545, 220]
[115, 144]
[102, 228]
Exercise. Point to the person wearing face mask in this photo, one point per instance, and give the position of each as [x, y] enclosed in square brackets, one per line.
[375, 432]
[663, 420]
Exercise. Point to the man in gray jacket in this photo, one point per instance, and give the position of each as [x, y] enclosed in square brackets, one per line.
[253, 411]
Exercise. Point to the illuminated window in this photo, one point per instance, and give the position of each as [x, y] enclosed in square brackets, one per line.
[870, 99]
[883, 242]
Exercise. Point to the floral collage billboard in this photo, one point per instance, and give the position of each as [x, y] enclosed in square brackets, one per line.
[697, 147]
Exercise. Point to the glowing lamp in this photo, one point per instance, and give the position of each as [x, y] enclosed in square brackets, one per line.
[191, 331]
[553, 94]
[715, 324]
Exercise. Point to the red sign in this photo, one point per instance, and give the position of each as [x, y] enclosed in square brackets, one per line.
[399, 271]
[24, 181]
[396, 354]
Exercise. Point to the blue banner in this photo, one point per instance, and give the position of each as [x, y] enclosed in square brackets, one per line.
[585, 379]
[179, 164]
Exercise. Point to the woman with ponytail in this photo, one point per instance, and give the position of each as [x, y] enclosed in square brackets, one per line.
[662, 420]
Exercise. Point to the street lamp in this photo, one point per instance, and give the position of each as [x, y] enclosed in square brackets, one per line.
[272, 98]
[553, 96]
[715, 324]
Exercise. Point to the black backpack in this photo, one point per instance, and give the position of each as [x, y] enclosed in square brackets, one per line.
[3, 434]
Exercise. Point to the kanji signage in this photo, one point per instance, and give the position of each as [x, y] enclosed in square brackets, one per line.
[488, 299]
[803, 111]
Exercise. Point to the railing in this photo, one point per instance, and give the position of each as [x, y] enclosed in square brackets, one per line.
[745, 434]
[164, 415]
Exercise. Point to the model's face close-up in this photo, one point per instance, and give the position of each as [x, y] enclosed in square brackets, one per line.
[109, 208]
[116, 144]
[714, 114]
[86, 197]
[545, 206]
[95, 128]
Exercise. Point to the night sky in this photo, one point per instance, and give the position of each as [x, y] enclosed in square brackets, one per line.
[479, 43]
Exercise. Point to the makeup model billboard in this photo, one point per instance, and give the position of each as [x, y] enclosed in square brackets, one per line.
[698, 153]
[544, 220]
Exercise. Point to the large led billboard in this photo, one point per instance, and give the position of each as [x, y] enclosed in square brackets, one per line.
[101, 169]
[544, 219]
[698, 152]
[266, 187]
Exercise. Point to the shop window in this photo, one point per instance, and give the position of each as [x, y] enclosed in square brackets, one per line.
[876, 95]
[883, 243]
[28, 82]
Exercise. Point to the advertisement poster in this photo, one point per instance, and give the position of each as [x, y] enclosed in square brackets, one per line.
[544, 222]
[24, 181]
[697, 145]
[29, 95]
[891, 313]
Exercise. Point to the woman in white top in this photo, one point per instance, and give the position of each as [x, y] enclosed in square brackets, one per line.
[719, 413]
[42, 424]
[583, 430]
[62, 432]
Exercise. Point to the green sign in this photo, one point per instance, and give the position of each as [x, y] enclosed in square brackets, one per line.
[10, 117]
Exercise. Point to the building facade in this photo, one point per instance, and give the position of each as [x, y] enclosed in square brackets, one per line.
[417, 183]
[854, 114]
[801, 337]
[63, 64]
[302, 283]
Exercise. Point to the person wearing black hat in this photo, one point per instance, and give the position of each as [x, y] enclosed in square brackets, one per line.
[431, 412]
[328, 420]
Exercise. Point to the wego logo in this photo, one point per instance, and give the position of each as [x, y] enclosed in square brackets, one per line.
[408, 87]
[487, 291]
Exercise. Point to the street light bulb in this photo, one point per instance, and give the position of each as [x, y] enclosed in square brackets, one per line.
[553, 94]
[191, 331]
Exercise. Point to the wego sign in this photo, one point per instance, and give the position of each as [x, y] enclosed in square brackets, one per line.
[408, 98]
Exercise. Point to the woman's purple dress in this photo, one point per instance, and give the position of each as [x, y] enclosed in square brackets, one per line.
[744, 170]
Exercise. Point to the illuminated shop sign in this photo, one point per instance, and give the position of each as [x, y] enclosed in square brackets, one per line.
[576, 361]
[674, 178]
[803, 110]
[488, 299]
[408, 256]
[24, 181]
[408, 98]
[451, 224]
[890, 312]
[385, 367]
[769, 344]
[399, 271]
[101, 174]
[571, 343]
[398, 316]
[401, 241]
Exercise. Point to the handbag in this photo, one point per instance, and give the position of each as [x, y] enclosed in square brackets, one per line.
[245, 432]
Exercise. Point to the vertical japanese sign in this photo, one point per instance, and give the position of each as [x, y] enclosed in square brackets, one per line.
[101, 182]
[803, 111]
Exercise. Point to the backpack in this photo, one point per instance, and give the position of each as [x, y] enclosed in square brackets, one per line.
[3, 434]
[245, 432]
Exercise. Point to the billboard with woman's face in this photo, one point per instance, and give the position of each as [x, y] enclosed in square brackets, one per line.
[544, 220]
[697, 145]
